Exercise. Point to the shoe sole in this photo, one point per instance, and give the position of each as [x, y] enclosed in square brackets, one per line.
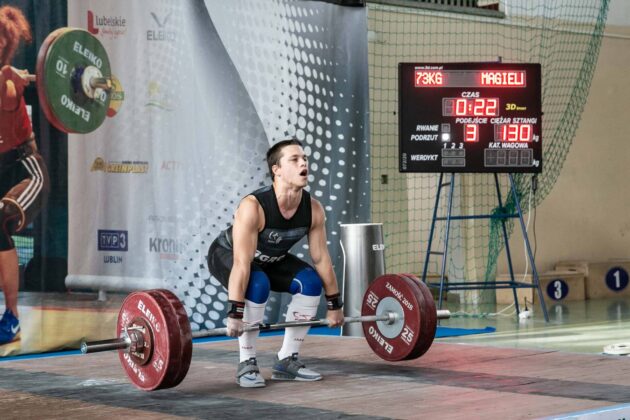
[14, 340]
[248, 383]
[251, 384]
[283, 376]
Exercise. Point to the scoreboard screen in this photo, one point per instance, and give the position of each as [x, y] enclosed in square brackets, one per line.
[470, 117]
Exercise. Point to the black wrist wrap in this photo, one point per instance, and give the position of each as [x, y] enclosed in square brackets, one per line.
[334, 302]
[236, 309]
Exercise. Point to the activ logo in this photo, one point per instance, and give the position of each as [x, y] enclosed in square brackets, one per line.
[113, 26]
[113, 240]
[171, 165]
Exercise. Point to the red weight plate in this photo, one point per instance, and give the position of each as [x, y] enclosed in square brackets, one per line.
[40, 78]
[185, 336]
[175, 339]
[403, 291]
[428, 316]
[156, 311]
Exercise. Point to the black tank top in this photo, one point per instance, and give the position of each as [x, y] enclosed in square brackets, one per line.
[279, 234]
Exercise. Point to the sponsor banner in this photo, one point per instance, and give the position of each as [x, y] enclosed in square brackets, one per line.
[106, 25]
[112, 240]
[209, 86]
[120, 167]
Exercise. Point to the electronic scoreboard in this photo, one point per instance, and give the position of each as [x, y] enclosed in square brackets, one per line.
[470, 117]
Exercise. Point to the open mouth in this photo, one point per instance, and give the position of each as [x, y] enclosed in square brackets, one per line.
[304, 172]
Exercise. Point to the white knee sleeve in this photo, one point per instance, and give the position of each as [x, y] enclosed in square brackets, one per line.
[301, 308]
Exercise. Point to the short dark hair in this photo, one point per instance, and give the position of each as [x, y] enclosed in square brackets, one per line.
[275, 152]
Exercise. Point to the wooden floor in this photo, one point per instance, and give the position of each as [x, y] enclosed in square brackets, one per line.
[451, 381]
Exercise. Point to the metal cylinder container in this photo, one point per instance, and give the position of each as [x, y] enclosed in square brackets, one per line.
[363, 261]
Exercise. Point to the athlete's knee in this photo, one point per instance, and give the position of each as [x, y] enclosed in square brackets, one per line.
[258, 288]
[10, 218]
[307, 282]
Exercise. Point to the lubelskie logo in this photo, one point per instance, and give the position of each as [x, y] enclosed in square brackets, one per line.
[91, 24]
[110, 25]
[113, 240]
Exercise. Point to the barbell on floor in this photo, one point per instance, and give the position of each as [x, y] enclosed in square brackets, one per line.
[130, 338]
[155, 339]
[75, 86]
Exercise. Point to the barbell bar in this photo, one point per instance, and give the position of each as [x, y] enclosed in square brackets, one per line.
[85, 81]
[94, 82]
[127, 339]
[154, 340]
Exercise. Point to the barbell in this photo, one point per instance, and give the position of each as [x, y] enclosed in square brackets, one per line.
[75, 86]
[154, 337]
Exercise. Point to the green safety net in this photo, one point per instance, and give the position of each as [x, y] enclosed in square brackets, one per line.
[563, 36]
[24, 247]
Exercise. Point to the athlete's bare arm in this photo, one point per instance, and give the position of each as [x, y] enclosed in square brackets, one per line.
[248, 221]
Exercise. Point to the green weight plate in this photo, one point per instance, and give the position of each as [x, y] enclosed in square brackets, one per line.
[39, 70]
[62, 59]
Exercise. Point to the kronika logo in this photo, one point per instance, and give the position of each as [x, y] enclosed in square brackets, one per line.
[168, 248]
[112, 26]
[162, 33]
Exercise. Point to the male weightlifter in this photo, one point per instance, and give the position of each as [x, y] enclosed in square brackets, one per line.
[23, 174]
[251, 258]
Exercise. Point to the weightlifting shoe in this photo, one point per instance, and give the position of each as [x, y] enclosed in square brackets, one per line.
[248, 375]
[292, 369]
[9, 327]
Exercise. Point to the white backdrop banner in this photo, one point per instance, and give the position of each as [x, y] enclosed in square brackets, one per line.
[209, 86]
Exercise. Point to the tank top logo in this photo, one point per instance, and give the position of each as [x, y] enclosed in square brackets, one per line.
[274, 238]
[259, 256]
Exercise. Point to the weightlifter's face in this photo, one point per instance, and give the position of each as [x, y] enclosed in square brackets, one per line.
[293, 166]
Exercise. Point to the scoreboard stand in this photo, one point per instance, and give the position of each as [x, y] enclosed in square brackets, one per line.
[502, 217]
[472, 118]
